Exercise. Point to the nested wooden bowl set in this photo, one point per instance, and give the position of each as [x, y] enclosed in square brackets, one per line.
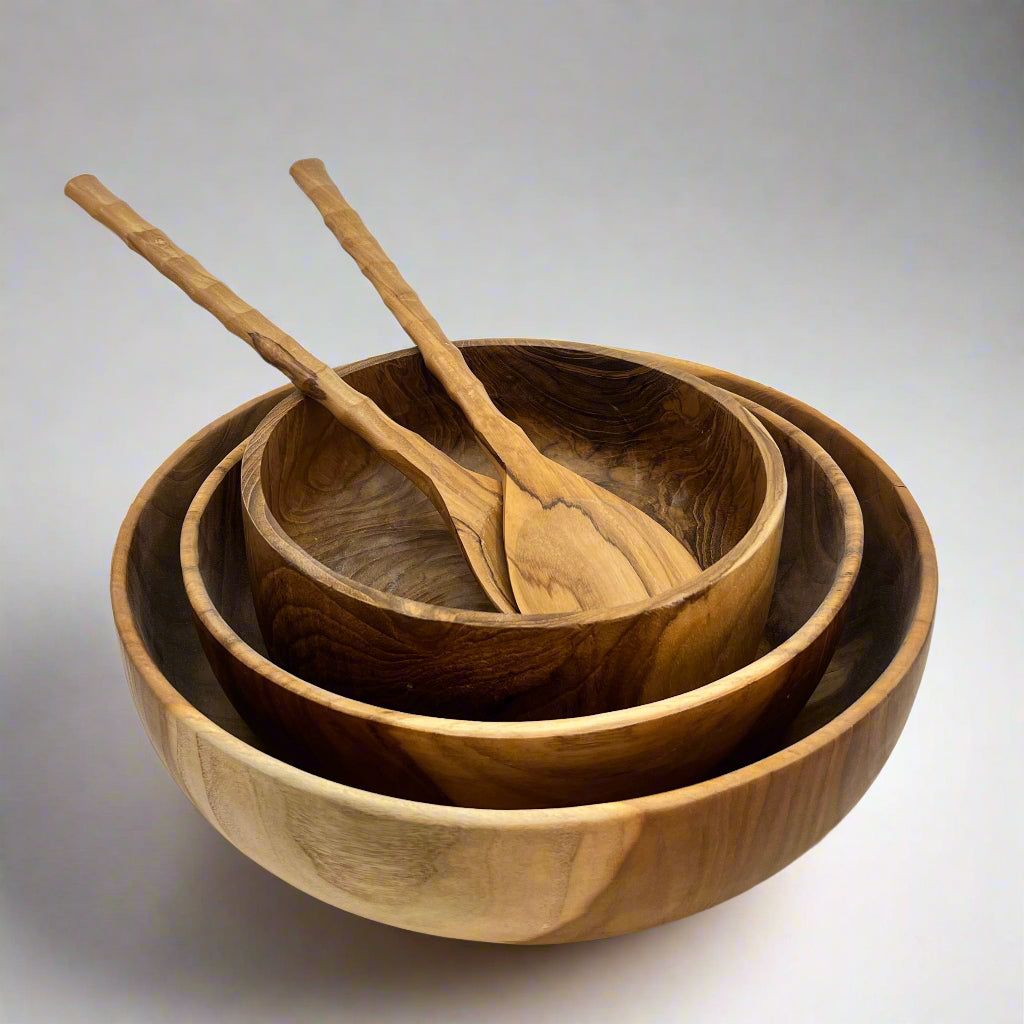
[416, 672]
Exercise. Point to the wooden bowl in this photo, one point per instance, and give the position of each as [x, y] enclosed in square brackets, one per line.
[359, 587]
[611, 756]
[550, 875]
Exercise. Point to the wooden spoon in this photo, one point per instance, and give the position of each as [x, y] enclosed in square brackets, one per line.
[569, 544]
[469, 502]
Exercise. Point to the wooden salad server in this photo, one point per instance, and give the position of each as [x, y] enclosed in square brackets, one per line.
[469, 502]
[570, 545]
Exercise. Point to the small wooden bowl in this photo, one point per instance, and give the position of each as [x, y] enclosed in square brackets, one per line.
[552, 875]
[611, 756]
[359, 587]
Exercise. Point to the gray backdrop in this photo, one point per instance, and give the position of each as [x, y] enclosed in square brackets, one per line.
[826, 197]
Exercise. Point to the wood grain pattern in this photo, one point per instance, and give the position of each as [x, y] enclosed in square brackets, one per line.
[531, 875]
[470, 504]
[612, 756]
[334, 537]
[570, 545]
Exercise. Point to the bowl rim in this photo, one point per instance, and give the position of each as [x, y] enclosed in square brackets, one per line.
[810, 630]
[177, 708]
[766, 524]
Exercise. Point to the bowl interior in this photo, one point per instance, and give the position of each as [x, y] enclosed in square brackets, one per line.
[882, 604]
[649, 437]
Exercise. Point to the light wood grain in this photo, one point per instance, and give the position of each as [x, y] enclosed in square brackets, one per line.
[336, 542]
[612, 756]
[532, 875]
[569, 544]
[470, 503]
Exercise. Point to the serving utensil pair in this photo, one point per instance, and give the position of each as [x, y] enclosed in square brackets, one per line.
[544, 539]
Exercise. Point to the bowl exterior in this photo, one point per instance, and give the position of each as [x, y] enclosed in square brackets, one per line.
[536, 875]
[452, 669]
[521, 876]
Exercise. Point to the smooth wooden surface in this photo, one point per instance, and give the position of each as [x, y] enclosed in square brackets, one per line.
[469, 503]
[569, 544]
[531, 875]
[342, 553]
[612, 756]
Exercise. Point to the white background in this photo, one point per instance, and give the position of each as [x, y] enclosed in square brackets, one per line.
[826, 197]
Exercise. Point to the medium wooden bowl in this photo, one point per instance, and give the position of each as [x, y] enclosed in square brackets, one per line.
[359, 588]
[553, 875]
[611, 756]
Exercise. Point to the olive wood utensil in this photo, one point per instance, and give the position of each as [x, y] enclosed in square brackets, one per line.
[569, 544]
[469, 502]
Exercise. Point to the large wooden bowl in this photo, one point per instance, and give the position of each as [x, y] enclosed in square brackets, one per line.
[611, 756]
[359, 588]
[554, 875]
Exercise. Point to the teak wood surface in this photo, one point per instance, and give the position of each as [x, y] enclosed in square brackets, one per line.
[541, 876]
[612, 756]
[569, 544]
[343, 553]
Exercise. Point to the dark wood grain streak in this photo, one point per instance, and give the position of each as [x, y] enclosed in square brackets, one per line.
[341, 550]
[531, 876]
